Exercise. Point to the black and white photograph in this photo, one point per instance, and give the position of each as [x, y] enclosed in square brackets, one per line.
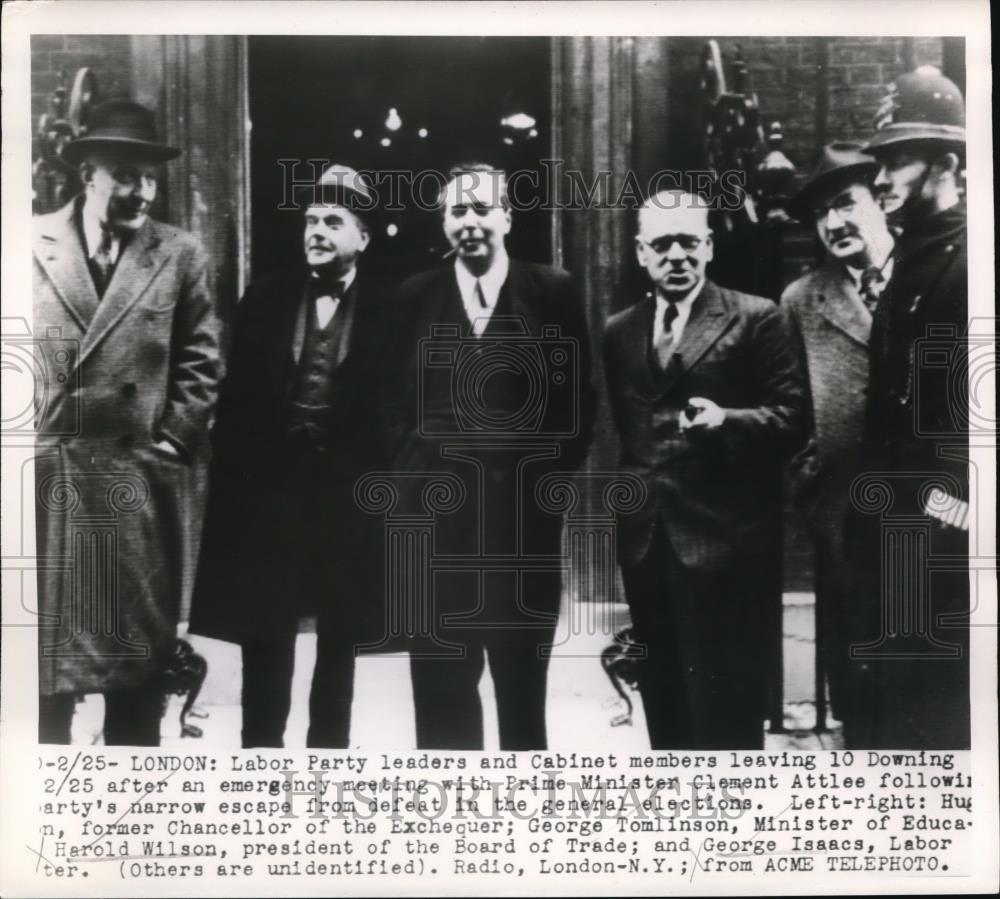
[484, 395]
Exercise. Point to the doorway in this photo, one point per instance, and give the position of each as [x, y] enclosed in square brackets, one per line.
[381, 104]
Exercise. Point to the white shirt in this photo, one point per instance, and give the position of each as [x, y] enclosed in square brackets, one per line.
[683, 314]
[326, 306]
[93, 233]
[490, 283]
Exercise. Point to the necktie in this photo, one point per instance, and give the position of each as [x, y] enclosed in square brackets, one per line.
[102, 263]
[480, 295]
[664, 348]
[870, 289]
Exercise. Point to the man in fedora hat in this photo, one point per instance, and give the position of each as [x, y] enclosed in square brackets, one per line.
[917, 424]
[295, 429]
[123, 300]
[831, 308]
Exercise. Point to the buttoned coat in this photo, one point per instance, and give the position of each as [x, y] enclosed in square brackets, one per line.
[718, 493]
[121, 373]
[540, 319]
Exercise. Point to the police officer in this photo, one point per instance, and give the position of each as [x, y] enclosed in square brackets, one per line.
[916, 431]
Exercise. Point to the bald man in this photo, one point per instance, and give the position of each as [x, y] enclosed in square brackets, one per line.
[708, 395]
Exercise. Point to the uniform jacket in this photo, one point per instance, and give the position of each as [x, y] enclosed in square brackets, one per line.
[917, 434]
[248, 574]
[919, 349]
[718, 494]
[140, 364]
[833, 325]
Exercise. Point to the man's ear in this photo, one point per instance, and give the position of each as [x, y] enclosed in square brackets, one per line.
[640, 251]
[945, 164]
[709, 247]
[86, 170]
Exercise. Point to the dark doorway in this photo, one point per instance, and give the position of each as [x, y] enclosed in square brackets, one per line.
[332, 98]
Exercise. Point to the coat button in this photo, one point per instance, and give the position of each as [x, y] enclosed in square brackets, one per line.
[128, 390]
[126, 441]
[71, 387]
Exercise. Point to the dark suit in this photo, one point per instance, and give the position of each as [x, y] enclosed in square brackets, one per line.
[833, 324]
[916, 435]
[283, 536]
[490, 608]
[694, 556]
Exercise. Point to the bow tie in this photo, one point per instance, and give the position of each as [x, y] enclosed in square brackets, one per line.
[325, 287]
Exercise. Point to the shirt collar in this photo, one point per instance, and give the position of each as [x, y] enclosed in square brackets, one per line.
[93, 231]
[683, 306]
[491, 282]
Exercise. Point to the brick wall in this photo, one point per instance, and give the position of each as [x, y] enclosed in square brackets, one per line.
[108, 55]
[820, 89]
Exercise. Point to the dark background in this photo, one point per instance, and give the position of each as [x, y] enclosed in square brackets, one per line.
[309, 94]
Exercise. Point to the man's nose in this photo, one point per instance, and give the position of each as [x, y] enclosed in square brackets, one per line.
[675, 253]
[882, 178]
[834, 219]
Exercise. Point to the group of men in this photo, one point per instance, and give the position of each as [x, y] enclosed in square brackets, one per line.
[332, 374]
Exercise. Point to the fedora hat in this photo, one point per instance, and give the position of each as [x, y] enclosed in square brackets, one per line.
[841, 162]
[120, 125]
[339, 184]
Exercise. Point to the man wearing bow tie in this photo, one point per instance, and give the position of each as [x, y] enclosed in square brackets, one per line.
[831, 308]
[709, 397]
[295, 429]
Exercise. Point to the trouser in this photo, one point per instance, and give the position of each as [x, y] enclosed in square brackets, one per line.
[268, 665]
[702, 680]
[515, 639]
[131, 716]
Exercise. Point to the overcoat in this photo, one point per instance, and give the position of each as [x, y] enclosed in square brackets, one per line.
[833, 325]
[120, 373]
[258, 554]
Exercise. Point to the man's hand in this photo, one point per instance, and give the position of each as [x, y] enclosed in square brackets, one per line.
[707, 415]
[165, 446]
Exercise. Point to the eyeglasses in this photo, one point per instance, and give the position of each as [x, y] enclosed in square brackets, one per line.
[687, 242]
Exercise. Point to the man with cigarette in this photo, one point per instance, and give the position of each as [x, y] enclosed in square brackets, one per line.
[708, 395]
[831, 308]
[493, 392]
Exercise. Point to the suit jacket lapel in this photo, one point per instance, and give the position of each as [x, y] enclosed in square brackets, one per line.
[60, 253]
[837, 301]
[709, 319]
[141, 260]
[516, 300]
